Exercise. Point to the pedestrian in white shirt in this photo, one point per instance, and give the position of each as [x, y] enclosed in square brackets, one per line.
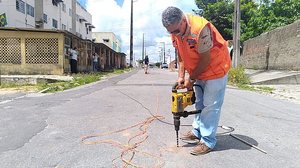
[95, 61]
[73, 59]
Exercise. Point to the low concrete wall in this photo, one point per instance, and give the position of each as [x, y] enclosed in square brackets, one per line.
[276, 50]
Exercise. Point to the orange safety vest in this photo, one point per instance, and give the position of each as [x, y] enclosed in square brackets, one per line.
[188, 50]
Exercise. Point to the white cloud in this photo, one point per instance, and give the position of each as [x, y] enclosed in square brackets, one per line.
[109, 17]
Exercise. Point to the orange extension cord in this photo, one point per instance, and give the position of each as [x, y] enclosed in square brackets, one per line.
[130, 149]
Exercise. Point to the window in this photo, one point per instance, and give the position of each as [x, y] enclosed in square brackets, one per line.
[20, 6]
[70, 12]
[45, 18]
[63, 7]
[77, 18]
[54, 2]
[67, 41]
[79, 35]
[54, 23]
[64, 27]
[106, 40]
[30, 10]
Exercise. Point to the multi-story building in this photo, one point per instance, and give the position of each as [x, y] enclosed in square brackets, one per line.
[32, 42]
[66, 15]
[109, 39]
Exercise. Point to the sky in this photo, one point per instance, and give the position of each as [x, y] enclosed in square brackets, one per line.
[82, 2]
[113, 16]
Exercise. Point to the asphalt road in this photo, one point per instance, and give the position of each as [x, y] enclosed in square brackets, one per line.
[127, 119]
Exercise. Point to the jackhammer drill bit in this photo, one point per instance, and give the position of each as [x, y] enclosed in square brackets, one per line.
[177, 138]
[177, 124]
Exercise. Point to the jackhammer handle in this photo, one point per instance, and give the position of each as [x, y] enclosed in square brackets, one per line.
[175, 88]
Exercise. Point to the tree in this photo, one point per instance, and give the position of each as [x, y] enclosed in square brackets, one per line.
[248, 11]
[219, 13]
[257, 17]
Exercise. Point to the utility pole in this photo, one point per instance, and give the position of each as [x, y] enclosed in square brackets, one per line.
[143, 48]
[164, 52]
[131, 30]
[176, 59]
[236, 33]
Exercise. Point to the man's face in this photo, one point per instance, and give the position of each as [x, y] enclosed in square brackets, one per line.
[177, 28]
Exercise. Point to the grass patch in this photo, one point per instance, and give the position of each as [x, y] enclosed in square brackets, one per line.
[119, 71]
[265, 89]
[78, 80]
[238, 78]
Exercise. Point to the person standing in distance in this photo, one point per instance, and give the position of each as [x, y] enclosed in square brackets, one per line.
[146, 63]
[203, 53]
[95, 62]
[73, 59]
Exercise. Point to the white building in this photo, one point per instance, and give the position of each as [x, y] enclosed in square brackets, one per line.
[48, 14]
[109, 39]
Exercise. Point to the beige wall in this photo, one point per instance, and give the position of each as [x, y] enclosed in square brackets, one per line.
[109, 58]
[278, 49]
[114, 43]
[31, 52]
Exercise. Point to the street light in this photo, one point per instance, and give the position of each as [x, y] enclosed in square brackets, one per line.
[164, 50]
[143, 48]
[131, 40]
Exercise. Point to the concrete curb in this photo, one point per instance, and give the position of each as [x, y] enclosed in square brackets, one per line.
[273, 77]
[33, 79]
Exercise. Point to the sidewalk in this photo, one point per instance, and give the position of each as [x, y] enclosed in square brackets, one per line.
[275, 77]
[286, 84]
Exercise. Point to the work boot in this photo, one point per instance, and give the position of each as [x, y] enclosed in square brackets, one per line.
[189, 137]
[200, 149]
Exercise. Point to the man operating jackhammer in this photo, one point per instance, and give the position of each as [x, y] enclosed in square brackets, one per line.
[203, 53]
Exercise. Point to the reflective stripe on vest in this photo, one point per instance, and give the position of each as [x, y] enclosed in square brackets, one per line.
[188, 50]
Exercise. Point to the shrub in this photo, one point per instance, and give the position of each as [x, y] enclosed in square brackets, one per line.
[238, 77]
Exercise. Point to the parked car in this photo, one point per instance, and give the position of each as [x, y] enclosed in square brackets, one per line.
[151, 65]
[164, 65]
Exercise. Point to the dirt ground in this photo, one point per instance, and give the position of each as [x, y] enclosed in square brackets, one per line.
[286, 92]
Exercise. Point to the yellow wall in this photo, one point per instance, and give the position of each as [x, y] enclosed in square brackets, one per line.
[31, 52]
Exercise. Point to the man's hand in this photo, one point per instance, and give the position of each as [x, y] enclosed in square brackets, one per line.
[180, 82]
[189, 83]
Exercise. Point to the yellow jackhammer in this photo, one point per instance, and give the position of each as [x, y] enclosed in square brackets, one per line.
[180, 100]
